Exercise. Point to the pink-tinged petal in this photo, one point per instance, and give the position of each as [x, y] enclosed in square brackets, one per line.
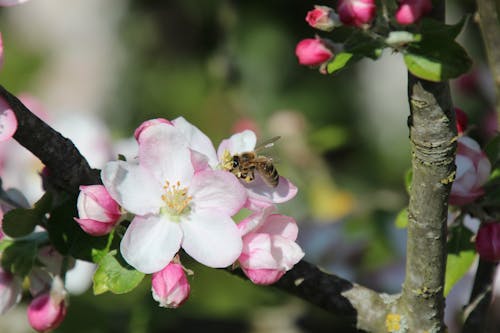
[263, 276]
[483, 169]
[211, 238]
[8, 121]
[164, 151]
[132, 187]
[199, 161]
[197, 140]
[150, 242]
[258, 252]
[261, 195]
[94, 202]
[254, 221]
[40, 281]
[238, 143]
[95, 228]
[147, 124]
[10, 290]
[7, 3]
[217, 190]
[47, 311]
[281, 225]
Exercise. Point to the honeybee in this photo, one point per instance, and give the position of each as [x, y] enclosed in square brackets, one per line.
[245, 164]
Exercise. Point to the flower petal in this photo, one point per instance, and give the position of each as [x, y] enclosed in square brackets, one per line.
[163, 151]
[132, 187]
[217, 190]
[280, 225]
[197, 140]
[262, 195]
[150, 243]
[238, 143]
[211, 238]
[8, 121]
[254, 221]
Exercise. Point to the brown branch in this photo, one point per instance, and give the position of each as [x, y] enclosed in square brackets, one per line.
[489, 24]
[67, 168]
[433, 140]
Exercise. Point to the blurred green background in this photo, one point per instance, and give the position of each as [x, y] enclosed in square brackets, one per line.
[224, 66]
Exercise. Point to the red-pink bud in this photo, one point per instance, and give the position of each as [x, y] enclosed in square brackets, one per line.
[170, 286]
[98, 212]
[356, 12]
[312, 52]
[323, 18]
[488, 241]
[410, 11]
[47, 311]
[462, 120]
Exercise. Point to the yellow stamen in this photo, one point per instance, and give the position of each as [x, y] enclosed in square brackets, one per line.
[175, 198]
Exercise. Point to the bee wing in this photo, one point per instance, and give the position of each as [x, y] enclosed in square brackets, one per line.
[266, 144]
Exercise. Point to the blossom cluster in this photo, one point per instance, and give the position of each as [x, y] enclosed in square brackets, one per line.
[179, 193]
[355, 13]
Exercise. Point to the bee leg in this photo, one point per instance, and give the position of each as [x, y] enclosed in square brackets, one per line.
[249, 177]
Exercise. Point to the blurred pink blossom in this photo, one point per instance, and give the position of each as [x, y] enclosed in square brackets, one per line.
[10, 290]
[313, 52]
[323, 18]
[7, 3]
[473, 170]
[410, 11]
[488, 241]
[8, 121]
[356, 12]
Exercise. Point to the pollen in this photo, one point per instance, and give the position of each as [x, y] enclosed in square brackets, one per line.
[393, 322]
[227, 160]
[175, 198]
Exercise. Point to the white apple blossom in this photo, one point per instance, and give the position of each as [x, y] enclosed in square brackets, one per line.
[175, 204]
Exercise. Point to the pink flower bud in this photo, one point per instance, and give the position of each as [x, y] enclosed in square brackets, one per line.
[462, 120]
[269, 248]
[47, 311]
[170, 286]
[148, 123]
[356, 12]
[473, 170]
[488, 241]
[313, 52]
[323, 18]
[10, 290]
[98, 212]
[410, 11]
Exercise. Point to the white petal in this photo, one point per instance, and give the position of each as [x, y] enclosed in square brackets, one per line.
[163, 150]
[238, 143]
[261, 195]
[150, 242]
[211, 238]
[217, 190]
[132, 187]
[281, 225]
[197, 140]
[254, 221]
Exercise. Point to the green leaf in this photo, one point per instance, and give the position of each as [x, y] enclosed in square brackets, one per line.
[339, 62]
[361, 45]
[20, 222]
[492, 150]
[402, 219]
[114, 275]
[67, 236]
[461, 255]
[436, 60]
[439, 30]
[19, 257]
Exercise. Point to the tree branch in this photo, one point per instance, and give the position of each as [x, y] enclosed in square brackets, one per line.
[433, 139]
[67, 168]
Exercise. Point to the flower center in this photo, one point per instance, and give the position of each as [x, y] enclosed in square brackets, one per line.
[176, 199]
[227, 160]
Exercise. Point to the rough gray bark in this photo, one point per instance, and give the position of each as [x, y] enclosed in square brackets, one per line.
[433, 140]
